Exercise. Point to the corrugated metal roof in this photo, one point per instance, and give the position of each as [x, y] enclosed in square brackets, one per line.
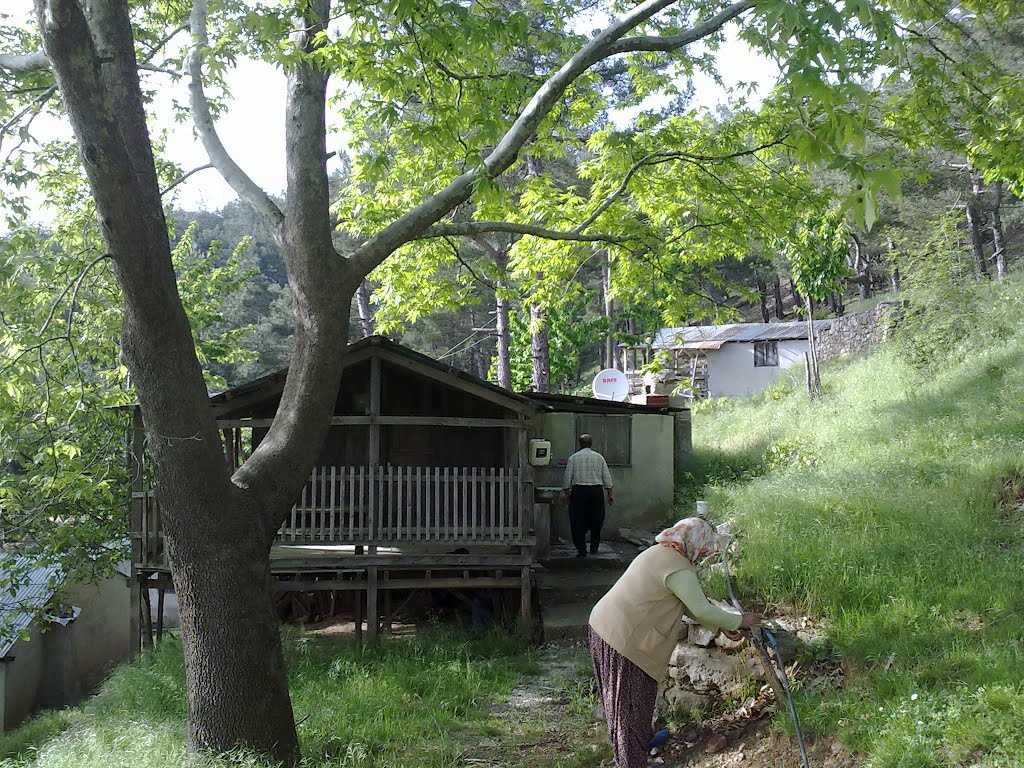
[704, 336]
[20, 602]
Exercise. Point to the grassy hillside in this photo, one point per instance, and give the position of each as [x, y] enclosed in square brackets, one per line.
[892, 508]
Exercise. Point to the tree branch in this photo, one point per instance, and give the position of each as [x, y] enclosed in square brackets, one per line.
[236, 178]
[669, 43]
[183, 177]
[656, 158]
[410, 225]
[473, 228]
[24, 62]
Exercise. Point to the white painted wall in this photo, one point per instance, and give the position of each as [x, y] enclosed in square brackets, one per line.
[94, 643]
[643, 490]
[731, 370]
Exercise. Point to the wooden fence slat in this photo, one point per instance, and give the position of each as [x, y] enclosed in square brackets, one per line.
[473, 487]
[501, 505]
[434, 522]
[401, 502]
[421, 525]
[492, 507]
[335, 495]
[410, 509]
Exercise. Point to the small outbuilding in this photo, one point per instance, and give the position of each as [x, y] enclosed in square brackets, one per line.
[716, 360]
[58, 640]
[426, 481]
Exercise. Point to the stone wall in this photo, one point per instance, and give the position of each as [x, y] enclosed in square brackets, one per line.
[858, 333]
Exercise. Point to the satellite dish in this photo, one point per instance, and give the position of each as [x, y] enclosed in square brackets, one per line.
[611, 384]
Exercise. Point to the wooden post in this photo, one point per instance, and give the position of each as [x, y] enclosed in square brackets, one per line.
[373, 452]
[135, 468]
[526, 506]
[387, 605]
[358, 613]
[161, 591]
[147, 619]
[525, 587]
[372, 612]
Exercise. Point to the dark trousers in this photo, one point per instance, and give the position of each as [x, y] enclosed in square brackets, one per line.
[586, 513]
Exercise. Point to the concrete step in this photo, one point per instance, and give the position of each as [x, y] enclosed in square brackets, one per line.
[555, 587]
[612, 556]
[566, 620]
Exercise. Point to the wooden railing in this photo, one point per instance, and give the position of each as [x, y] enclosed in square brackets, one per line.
[389, 506]
[382, 505]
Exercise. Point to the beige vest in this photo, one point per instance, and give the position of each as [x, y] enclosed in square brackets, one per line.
[639, 616]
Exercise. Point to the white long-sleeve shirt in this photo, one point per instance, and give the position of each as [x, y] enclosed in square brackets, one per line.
[587, 467]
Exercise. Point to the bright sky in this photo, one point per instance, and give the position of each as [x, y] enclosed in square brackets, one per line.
[253, 128]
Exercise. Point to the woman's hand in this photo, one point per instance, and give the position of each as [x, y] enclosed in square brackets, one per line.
[749, 620]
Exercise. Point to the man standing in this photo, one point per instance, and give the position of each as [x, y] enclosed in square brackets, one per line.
[587, 480]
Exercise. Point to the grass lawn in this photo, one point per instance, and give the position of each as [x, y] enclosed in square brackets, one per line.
[435, 700]
[892, 507]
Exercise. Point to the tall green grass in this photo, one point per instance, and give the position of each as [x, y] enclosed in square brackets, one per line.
[882, 508]
[408, 701]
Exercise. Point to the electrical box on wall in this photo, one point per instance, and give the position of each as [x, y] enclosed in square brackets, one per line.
[540, 453]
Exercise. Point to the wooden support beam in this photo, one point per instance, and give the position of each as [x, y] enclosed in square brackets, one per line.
[407, 421]
[525, 588]
[361, 585]
[372, 612]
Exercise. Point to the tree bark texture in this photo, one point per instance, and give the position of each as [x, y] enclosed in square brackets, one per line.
[859, 264]
[609, 313]
[504, 349]
[226, 621]
[541, 353]
[780, 310]
[365, 310]
[998, 235]
[973, 210]
[762, 293]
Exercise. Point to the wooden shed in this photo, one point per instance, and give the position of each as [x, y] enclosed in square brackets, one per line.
[423, 483]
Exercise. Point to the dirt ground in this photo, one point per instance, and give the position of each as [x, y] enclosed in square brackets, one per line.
[550, 722]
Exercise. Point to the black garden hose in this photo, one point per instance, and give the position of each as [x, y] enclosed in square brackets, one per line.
[760, 637]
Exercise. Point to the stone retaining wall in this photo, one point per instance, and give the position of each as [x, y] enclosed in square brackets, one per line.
[858, 333]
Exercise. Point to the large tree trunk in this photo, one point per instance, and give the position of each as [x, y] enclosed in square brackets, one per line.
[859, 264]
[762, 292]
[237, 687]
[973, 210]
[998, 236]
[541, 354]
[780, 309]
[503, 363]
[504, 352]
[609, 313]
[365, 310]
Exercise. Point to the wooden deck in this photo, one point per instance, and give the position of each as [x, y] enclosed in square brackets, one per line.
[374, 530]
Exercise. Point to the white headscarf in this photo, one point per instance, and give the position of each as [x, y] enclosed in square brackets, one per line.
[688, 537]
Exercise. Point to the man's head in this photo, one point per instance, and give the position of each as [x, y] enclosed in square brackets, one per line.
[586, 441]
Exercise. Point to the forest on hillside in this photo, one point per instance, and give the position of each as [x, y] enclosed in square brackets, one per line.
[942, 200]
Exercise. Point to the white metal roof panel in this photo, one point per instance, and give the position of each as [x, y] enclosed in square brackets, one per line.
[22, 594]
[703, 336]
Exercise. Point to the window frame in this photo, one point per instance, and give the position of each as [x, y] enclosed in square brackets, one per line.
[766, 354]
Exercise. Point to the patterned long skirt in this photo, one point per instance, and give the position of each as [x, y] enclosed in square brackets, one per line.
[628, 695]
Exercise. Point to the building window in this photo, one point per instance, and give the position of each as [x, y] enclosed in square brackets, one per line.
[612, 436]
[766, 354]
